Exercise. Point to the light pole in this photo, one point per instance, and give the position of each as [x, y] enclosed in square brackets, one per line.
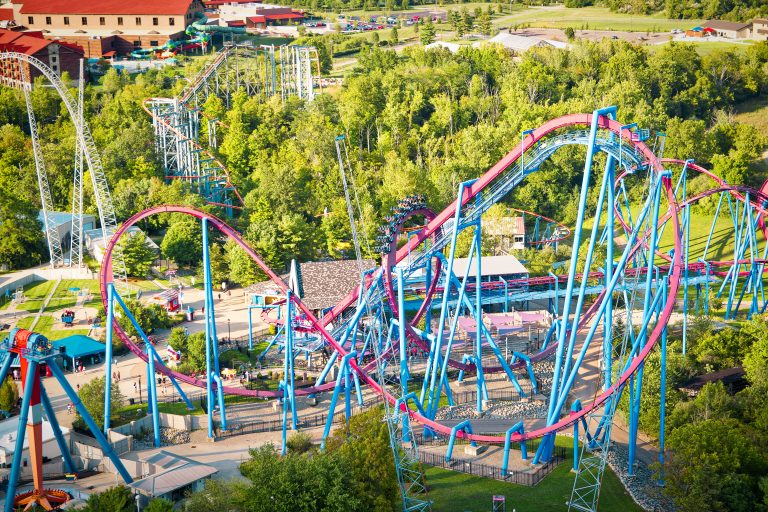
[140, 401]
[138, 502]
[229, 332]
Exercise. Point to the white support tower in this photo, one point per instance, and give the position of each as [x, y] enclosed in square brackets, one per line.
[90, 154]
[51, 233]
[76, 251]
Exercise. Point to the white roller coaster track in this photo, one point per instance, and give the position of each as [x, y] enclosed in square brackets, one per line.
[90, 153]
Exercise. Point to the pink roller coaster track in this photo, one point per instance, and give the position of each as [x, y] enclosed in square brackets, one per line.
[430, 230]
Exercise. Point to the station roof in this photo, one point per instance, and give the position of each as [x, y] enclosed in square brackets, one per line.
[9, 429]
[490, 266]
[79, 345]
[177, 472]
[285, 16]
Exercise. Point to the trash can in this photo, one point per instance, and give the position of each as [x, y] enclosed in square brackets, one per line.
[131, 401]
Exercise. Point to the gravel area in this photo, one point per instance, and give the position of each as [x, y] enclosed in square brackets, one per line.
[168, 436]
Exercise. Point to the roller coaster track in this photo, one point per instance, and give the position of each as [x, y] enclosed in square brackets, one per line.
[433, 228]
[86, 142]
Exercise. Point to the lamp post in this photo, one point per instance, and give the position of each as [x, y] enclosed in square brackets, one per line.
[140, 401]
[229, 332]
[138, 502]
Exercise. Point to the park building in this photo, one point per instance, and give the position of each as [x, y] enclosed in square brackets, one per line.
[760, 29]
[51, 452]
[102, 27]
[60, 56]
[729, 29]
[62, 223]
[256, 15]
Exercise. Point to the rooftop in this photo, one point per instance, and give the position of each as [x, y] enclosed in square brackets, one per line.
[325, 283]
[79, 346]
[20, 42]
[9, 428]
[105, 7]
[516, 42]
[726, 25]
[178, 472]
[490, 266]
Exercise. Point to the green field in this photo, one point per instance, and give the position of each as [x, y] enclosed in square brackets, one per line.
[458, 492]
[754, 112]
[592, 18]
[35, 294]
[49, 327]
[707, 47]
[64, 298]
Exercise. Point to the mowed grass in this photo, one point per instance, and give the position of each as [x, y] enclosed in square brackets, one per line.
[706, 47]
[50, 327]
[755, 113]
[35, 293]
[63, 298]
[592, 18]
[458, 492]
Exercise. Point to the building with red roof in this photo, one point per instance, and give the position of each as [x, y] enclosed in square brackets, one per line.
[103, 26]
[59, 56]
[257, 14]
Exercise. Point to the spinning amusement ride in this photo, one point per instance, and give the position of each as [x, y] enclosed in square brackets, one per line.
[416, 325]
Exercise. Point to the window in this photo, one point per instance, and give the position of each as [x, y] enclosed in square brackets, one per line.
[102, 20]
[66, 20]
[47, 20]
[30, 20]
[137, 44]
[153, 43]
[119, 20]
[172, 21]
[138, 21]
[53, 59]
[84, 20]
[155, 21]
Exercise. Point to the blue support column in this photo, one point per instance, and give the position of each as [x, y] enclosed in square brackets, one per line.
[482, 391]
[663, 398]
[404, 374]
[60, 441]
[210, 321]
[466, 427]
[152, 385]
[335, 397]
[516, 429]
[20, 431]
[103, 443]
[108, 356]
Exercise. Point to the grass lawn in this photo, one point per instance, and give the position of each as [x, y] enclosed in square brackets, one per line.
[35, 294]
[64, 298]
[592, 18]
[707, 47]
[754, 112]
[180, 408]
[458, 492]
[47, 326]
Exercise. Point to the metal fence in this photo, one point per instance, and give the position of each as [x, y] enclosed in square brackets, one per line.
[487, 471]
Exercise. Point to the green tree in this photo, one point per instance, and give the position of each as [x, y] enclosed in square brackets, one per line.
[178, 339]
[92, 395]
[756, 363]
[367, 438]
[195, 356]
[9, 394]
[713, 466]
[138, 254]
[428, 32]
[570, 33]
[242, 269]
[393, 37]
[183, 242]
[159, 505]
[21, 235]
[114, 499]
[484, 24]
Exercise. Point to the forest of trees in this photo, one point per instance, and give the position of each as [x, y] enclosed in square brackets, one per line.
[418, 122]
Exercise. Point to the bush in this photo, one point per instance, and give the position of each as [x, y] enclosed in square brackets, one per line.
[299, 442]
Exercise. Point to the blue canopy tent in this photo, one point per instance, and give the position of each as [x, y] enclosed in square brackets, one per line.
[79, 347]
